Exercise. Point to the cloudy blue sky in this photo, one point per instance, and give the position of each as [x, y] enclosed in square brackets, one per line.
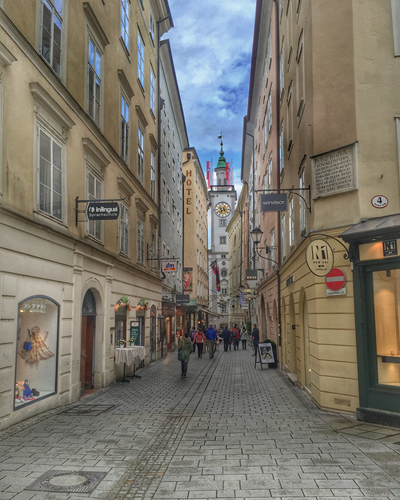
[211, 45]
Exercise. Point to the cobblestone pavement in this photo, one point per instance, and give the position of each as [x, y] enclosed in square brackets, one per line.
[227, 431]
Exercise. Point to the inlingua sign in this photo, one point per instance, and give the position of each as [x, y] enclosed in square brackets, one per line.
[98, 210]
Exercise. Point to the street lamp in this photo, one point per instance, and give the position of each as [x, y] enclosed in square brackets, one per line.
[256, 235]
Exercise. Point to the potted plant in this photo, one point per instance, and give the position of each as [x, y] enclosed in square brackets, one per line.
[142, 305]
[122, 343]
[123, 302]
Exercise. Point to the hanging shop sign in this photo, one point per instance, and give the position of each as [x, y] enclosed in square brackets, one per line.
[98, 210]
[274, 202]
[319, 257]
[251, 274]
[182, 299]
[380, 201]
[135, 333]
[389, 248]
[169, 266]
[188, 279]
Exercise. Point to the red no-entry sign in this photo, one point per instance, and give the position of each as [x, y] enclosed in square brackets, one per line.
[335, 280]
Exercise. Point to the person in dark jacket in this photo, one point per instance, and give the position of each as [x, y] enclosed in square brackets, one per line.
[226, 335]
[255, 336]
[185, 344]
[235, 337]
[211, 335]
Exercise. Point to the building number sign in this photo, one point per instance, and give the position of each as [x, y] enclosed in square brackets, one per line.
[380, 201]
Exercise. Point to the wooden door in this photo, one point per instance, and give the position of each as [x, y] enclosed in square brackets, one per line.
[83, 353]
[87, 339]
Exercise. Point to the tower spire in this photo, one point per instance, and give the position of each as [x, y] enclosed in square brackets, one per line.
[221, 160]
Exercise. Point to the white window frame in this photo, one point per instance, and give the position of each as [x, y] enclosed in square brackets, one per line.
[55, 17]
[94, 228]
[302, 203]
[222, 240]
[140, 241]
[273, 253]
[140, 153]
[97, 52]
[283, 234]
[291, 222]
[124, 229]
[281, 155]
[152, 27]
[53, 167]
[140, 56]
[152, 91]
[125, 22]
[124, 129]
[153, 174]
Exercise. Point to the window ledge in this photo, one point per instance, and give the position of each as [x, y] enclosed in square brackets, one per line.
[94, 240]
[141, 87]
[123, 255]
[127, 53]
[48, 219]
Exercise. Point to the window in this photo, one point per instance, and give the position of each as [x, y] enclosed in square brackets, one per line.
[173, 211]
[164, 192]
[291, 222]
[222, 222]
[283, 234]
[151, 27]
[153, 175]
[94, 82]
[124, 128]
[140, 242]
[152, 92]
[282, 70]
[269, 111]
[223, 308]
[50, 176]
[124, 230]
[300, 77]
[168, 200]
[140, 164]
[222, 240]
[281, 162]
[50, 37]
[224, 291]
[272, 248]
[125, 22]
[223, 256]
[153, 263]
[302, 208]
[270, 179]
[140, 60]
[94, 193]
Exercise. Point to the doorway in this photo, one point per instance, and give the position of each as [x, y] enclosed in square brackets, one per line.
[87, 342]
[153, 353]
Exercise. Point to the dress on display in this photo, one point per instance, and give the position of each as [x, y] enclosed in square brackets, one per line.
[39, 350]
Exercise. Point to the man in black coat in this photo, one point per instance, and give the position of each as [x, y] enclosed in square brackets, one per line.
[226, 335]
[255, 335]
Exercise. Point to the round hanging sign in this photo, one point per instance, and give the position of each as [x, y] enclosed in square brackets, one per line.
[380, 201]
[319, 257]
[336, 279]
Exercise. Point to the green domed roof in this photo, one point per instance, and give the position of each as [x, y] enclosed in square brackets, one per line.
[221, 159]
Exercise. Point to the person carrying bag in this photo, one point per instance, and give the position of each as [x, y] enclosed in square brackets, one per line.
[185, 349]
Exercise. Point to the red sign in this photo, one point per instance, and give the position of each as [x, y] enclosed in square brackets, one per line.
[336, 279]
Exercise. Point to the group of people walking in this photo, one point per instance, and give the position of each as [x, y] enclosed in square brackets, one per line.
[198, 339]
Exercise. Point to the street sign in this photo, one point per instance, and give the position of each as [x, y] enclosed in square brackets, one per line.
[331, 293]
[319, 257]
[135, 333]
[274, 202]
[380, 201]
[336, 279]
[99, 210]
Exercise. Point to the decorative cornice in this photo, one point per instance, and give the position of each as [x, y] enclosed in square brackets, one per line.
[153, 142]
[124, 186]
[6, 58]
[141, 116]
[95, 24]
[153, 219]
[140, 205]
[91, 149]
[125, 83]
[46, 100]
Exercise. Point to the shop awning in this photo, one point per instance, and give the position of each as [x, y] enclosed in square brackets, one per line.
[377, 229]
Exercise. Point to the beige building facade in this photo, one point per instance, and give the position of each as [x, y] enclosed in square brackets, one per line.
[338, 137]
[79, 107]
[195, 236]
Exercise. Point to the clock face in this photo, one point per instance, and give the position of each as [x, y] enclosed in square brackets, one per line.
[222, 209]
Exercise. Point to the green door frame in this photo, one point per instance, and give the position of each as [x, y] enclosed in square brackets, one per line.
[372, 395]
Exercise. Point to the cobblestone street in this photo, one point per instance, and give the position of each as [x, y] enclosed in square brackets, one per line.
[228, 431]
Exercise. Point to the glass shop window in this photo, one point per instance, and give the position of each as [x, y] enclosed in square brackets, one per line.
[37, 348]
[387, 325]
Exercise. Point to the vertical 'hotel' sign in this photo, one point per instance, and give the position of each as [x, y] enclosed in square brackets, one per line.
[189, 190]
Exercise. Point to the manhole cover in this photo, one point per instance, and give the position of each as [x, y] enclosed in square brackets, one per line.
[66, 481]
[89, 410]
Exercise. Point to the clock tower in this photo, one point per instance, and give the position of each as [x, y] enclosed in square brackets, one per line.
[222, 198]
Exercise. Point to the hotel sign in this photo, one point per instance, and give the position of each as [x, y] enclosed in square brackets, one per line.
[319, 257]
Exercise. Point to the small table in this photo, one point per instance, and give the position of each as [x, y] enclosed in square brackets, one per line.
[128, 355]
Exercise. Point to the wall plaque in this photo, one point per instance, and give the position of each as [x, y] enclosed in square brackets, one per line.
[335, 172]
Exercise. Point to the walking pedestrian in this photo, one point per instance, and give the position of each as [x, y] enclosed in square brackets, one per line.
[235, 337]
[243, 338]
[226, 335]
[185, 345]
[199, 341]
[255, 336]
[192, 334]
[212, 336]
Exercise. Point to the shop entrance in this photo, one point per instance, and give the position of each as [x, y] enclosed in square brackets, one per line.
[153, 334]
[87, 342]
[383, 344]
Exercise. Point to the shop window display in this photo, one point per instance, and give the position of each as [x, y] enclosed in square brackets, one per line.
[37, 345]
[387, 325]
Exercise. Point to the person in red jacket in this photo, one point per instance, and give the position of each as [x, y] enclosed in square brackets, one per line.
[199, 338]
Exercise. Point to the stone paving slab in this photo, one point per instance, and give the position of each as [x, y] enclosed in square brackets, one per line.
[227, 431]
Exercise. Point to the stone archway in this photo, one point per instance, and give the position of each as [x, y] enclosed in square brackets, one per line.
[88, 342]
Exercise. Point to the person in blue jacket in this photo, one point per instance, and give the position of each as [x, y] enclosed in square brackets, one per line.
[211, 335]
